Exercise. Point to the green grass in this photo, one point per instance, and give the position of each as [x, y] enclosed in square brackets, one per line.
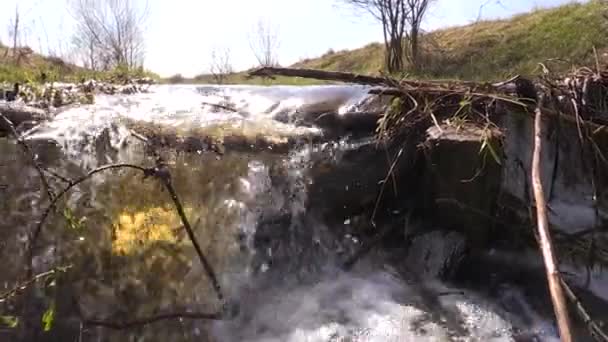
[31, 69]
[490, 50]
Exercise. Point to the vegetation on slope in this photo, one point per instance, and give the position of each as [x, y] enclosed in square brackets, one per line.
[560, 37]
[32, 67]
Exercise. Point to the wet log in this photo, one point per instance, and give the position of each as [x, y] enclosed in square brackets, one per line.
[322, 75]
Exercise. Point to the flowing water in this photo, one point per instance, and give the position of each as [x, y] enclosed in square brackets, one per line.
[278, 262]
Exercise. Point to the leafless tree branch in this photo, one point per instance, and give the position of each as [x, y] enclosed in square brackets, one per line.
[221, 67]
[264, 43]
[30, 154]
[109, 32]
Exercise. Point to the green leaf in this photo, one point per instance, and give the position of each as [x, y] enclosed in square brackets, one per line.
[484, 145]
[495, 155]
[73, 222]
[48, 318]
[9, 321]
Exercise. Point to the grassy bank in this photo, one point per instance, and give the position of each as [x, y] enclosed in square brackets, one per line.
[562, 38]
[33, 67]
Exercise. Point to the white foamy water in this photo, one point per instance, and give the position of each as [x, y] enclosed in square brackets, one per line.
[189, 106]
[376, 307]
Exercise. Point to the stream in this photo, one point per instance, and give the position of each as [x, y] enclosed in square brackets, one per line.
[270, 234]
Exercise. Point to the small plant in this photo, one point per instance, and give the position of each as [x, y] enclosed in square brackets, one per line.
[74, 223]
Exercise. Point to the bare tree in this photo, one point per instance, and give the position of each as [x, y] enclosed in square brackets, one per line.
[110, 31]
[13, 32]
[264, 42]
[221, 66]
[416, 10]
[393, 15]
[401, 21]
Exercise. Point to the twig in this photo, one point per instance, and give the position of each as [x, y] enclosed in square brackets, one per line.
[165, 178]
[153, 319]
[162, 173]
[594, 329]
[21, 287]
[72, 184]
[220, 106]
[381, 194]
[553, 276]
[30, 154]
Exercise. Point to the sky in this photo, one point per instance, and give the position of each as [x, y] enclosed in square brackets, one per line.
[181, 34]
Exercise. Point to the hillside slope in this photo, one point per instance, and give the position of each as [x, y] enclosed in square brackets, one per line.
[561, 37]
[34, 67]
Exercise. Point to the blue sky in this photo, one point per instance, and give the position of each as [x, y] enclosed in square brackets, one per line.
[180, 34]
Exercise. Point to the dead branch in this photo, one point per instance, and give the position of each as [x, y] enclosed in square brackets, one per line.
[553, 276]
[153, 319]
[31, 155]
[23, 286]
[165, 177]
[594, 329]
[72, 184]
[162, 173]
[220, 106]
[321, 75]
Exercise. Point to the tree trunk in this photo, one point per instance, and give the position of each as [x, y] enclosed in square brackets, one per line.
[414, 48]
[15, 33]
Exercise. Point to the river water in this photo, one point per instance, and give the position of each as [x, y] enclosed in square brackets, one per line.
[278, 263]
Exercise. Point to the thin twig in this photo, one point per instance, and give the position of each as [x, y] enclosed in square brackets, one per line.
[162, 173]
[72, 184]
[553, 276]
[165, 178]
[220, 106]
[594, 329]
[381, 194]
[32, 156]
[152, 319]
[23, 286]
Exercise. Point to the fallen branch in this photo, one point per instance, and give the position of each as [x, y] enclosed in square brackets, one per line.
[322, 75]
[553, 276]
